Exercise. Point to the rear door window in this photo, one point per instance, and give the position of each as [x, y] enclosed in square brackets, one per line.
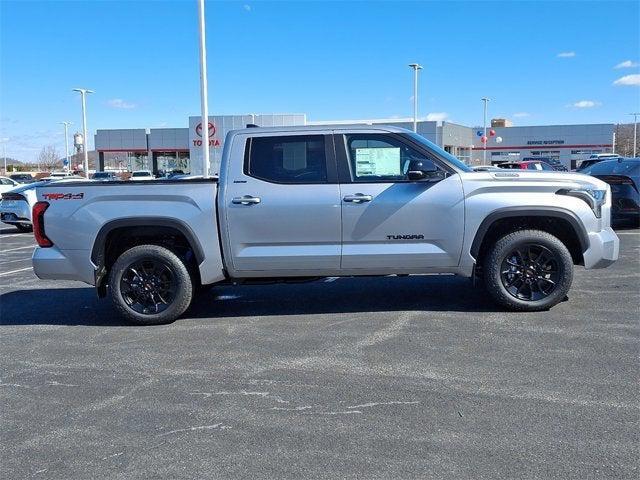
[298, 159]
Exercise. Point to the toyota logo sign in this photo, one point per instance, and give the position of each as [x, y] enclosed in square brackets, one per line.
[212, 129]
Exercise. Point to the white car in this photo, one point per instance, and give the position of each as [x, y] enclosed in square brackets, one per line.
[16, 205]
[61, 174]
[142, 175]
[7, 184]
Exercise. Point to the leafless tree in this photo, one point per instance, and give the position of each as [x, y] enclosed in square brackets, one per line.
[48, 158]
[624, 139]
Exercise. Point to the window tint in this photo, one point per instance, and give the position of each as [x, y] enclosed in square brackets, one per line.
[295, 159]
[379, 158]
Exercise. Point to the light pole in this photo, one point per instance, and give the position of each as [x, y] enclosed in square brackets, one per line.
[66, 142]
[4, 152]
[635, 131]
[83, 95]
[415, 67]
[484, 146]
[203, 91]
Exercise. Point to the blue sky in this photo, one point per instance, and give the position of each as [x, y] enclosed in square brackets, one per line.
[539, 62]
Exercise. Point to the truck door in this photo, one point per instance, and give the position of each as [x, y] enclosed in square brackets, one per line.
[282, 205]
[389, 221]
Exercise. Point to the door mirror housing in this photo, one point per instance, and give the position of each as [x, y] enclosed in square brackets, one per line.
[424, 170]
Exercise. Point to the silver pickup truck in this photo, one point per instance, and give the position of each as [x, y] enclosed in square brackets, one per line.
[294, 203]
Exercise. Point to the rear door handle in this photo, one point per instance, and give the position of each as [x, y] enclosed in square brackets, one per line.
[246, 200]
[357, 198]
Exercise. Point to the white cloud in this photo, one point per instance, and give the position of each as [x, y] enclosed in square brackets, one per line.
[247, 8]
[437, 116]
[566, 54]
[521, 114]
[629, 80]
[627, 64]
[120, 103]
[585, 104]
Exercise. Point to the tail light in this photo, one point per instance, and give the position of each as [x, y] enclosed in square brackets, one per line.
[13, 196]
[38, 224]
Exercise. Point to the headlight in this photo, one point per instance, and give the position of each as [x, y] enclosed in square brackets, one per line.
[593, 197]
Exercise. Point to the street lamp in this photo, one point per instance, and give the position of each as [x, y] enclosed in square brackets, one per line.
[203, 91]
[635, 131]
[66, 142]
[83, 95]
[415, 67]
[4, 152]
[484, 146]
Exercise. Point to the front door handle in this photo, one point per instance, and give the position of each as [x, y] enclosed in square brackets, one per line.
[246, 200]
[357, 198]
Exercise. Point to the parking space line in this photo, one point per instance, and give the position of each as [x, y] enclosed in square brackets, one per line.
[628, 233]
[27, 259]
[15, 271]
[19, 248]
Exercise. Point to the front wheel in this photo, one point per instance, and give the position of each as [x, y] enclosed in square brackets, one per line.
[150, 285]
[528, 270]
[23, 228]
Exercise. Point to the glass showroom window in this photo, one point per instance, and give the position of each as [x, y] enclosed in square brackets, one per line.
[126, 161]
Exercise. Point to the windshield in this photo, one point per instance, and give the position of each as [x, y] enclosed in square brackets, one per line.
[440, 152]
[141, 174]
[629, 167]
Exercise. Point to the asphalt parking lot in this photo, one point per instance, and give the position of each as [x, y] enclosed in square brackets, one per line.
[419, 377]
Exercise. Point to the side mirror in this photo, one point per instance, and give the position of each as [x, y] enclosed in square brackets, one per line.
[424, 170]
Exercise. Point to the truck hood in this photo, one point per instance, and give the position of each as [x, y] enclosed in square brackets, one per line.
[541, 180]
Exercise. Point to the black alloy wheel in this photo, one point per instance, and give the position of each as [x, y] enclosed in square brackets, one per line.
[530, 272]
[148, 286]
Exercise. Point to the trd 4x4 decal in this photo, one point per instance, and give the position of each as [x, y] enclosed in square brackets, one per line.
[63, 196]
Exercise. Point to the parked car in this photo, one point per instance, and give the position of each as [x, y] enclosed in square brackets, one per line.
[105, 176]
[623, 176]
[64, 174]
[294, 203]
[142, 175]
[527, 165]
[22, 177]
[16, 205]
[175, 172]
[553, 162]
[596, 158]
[7, 184]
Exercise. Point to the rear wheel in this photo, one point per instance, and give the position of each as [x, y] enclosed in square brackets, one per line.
[528, 270]
[150, 285]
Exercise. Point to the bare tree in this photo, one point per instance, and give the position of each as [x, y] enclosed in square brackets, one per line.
[48, 158]
[624, 139]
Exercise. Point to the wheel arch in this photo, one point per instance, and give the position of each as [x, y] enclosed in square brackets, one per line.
[546, 218]
[142, 226]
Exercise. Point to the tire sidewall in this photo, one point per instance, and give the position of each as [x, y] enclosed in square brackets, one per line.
[505, 246]
[184, 287]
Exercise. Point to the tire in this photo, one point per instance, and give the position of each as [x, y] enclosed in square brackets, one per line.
[150, 285]
[23, 228]
[536, 278]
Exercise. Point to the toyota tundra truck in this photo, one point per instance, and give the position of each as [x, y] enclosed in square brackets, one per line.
[298, 203]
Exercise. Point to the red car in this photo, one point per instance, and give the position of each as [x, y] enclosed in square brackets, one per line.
[527, 165]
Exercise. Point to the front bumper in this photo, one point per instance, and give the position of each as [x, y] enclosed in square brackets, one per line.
[54, 264]
[604, 247]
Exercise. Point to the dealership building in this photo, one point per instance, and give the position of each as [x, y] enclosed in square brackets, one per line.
[165, 149]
